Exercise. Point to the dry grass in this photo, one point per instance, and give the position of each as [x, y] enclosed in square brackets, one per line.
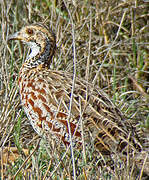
[111, 40]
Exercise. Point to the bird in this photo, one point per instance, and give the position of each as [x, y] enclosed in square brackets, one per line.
[46, 98]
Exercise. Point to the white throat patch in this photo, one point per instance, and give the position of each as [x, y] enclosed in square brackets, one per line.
[34, 49]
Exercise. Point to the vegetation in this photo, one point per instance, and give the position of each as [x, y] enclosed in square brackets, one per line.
[111, 43]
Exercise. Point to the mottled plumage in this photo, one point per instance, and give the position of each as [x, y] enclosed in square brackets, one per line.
[45, 96]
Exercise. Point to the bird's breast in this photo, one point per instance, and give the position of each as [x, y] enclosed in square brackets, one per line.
[44, 115]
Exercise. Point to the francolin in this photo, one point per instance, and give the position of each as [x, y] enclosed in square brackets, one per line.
[45, 96]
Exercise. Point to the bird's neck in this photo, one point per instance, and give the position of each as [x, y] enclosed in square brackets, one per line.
[26, 73]
[41, 54]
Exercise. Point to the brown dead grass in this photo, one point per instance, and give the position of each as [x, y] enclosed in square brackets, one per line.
[112, 45]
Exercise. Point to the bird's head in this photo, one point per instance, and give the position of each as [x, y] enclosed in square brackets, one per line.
[40, 39]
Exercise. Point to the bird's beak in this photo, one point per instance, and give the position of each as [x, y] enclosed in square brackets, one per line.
[15, 36]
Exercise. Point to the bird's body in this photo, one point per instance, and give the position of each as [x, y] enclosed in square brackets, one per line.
[46, 95]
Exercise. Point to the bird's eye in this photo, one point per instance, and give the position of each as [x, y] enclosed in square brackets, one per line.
[29, 31]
